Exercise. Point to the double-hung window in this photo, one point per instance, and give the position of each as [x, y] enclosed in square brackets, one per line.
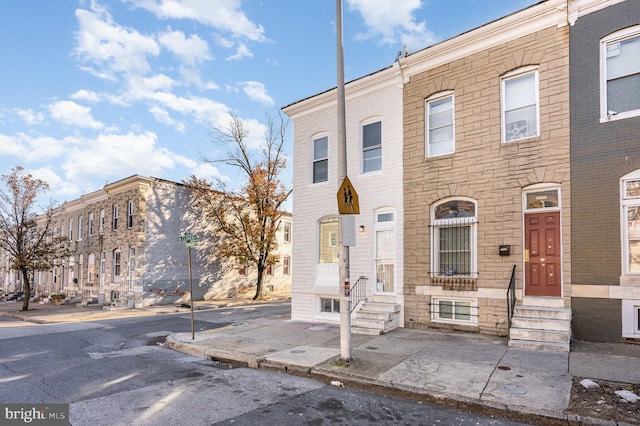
[440, 129]
[115, 217]
[453, 239]
[321, 160]
[520, 105]
[90, 224]
[631, 222]
[620, 71]
[372, 147]
[130, 214]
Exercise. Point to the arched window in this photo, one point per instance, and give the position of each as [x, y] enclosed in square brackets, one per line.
[328, 244]
[453, 238]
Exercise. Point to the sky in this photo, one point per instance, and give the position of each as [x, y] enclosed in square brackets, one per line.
[94, 91]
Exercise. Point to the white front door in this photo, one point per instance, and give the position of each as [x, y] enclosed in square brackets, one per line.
[385, 261]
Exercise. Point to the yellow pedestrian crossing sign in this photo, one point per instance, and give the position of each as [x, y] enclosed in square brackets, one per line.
[348, 198]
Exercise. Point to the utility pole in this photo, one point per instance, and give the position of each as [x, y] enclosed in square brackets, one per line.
[345, 298]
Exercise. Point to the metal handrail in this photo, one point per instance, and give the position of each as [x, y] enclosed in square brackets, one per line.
[358, 292]
[511, 295]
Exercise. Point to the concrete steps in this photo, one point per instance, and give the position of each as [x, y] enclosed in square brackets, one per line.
[541, 328]
[376, 316]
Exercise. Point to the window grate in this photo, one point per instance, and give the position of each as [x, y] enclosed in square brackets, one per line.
[454, 245]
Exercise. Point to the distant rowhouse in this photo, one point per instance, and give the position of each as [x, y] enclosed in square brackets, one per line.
[129, 250]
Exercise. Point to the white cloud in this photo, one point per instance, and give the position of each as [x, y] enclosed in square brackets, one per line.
[241, 52]
[224, 15]
[73, 114]
[191, 51]
[86, 95]
[110, 46]
[30, 116]
[162, 116]
[33, 148]
[117, 155]
[56, 184]
[257, 92]
[393, 22]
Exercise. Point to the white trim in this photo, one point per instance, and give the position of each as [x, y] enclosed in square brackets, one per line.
[525, 211]
[605, 114]
[630, 319]
[434, 98]
[473, 236]
[512, 75]
[473, 310]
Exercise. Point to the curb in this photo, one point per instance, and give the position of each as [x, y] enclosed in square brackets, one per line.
[511, 412]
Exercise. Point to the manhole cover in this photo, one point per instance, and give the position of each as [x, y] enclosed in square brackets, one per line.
[297, 351]
[514, 390]
[504, 367]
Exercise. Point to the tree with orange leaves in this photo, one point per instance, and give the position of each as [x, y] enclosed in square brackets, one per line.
[24, 235]
[247, 220]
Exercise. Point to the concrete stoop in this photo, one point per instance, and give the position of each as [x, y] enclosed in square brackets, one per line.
[376, 316]
[541, 328]
[125, 301]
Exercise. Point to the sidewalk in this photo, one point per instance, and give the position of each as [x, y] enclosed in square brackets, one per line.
[462, 370]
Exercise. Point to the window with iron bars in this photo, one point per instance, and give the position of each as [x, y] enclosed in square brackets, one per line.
[453, 240]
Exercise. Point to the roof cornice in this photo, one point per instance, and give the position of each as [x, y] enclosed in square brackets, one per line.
[519, 24]
[362, 86]
[578, 8]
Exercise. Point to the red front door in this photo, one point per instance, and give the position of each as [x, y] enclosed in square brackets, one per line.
[542, 254]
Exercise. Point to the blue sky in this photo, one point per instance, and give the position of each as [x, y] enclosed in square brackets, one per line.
[93, 91]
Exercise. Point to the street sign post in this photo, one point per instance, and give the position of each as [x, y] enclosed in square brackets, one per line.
[190, 240]
[348, 202]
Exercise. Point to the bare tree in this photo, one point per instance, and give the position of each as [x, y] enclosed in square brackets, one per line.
[247, 220]
[24, 235]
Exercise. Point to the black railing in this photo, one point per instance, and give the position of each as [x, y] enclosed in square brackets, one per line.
[358, 292]
[511, 295]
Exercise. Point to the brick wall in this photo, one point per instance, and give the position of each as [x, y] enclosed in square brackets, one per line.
[485, 169]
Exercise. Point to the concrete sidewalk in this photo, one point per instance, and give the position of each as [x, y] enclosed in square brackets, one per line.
[463, 370]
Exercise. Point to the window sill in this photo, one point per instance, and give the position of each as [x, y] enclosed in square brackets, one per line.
[456, 283]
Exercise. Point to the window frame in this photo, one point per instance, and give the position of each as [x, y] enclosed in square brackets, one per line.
[116, 265]
[90, 224]
[511, 76]
[286, 231]
[448, 223]
[615, 37]
[370, 148]
[436, 314]
[114, 217]
[101, 223]
[335, 305]
[332, 242]
[286, 265]
[80, 225]
[129, 214]
[625, 202]
[428, 103]
[318, 160]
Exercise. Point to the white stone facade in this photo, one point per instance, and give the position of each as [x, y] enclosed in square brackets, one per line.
[371, 99]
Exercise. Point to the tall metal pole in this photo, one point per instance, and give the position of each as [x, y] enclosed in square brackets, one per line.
[345, 299]
[193, 329]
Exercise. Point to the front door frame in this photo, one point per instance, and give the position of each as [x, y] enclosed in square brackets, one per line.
[541, 199]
